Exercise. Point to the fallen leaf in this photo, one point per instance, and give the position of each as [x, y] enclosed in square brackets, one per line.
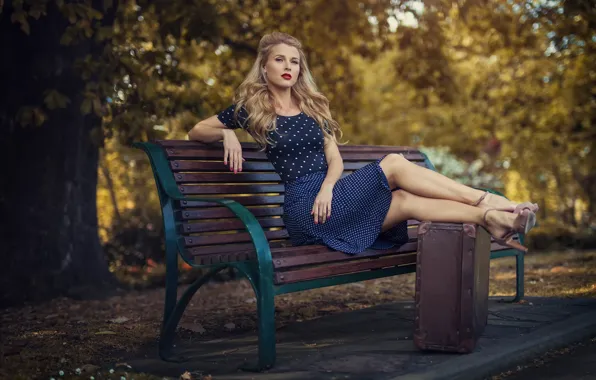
[119, 320]
[230, 326]
[186, 376]
[105, 332]
[195, 327]
[559, 269]
[89, 368]
[355, 305]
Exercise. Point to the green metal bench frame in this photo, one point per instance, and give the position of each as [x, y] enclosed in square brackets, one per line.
[259, 272]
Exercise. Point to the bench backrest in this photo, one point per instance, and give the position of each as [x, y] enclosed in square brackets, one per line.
[199, 171]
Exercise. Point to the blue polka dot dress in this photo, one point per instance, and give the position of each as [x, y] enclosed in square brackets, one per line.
[360, 200]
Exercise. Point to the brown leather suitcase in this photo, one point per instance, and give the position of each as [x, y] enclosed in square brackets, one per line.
[451, 286]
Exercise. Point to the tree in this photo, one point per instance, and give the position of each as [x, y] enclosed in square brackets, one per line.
[75, 72]
[48, 158]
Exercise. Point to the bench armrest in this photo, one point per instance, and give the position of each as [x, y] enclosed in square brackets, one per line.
[169, 191]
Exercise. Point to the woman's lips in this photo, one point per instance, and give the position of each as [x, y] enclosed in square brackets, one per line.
[287, 76]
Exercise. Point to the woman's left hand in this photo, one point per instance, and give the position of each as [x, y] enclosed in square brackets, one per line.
[322, 207]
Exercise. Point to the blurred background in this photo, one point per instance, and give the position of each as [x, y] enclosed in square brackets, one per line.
[499, 94]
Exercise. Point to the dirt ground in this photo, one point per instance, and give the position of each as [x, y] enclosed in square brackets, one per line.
[79, 337]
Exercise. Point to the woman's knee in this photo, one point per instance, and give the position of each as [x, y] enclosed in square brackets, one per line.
[391, 165]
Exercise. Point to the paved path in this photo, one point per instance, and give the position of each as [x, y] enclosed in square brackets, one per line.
[579, 363]
[376, 344]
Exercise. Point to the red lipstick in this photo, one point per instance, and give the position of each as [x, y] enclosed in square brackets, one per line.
[287, 76]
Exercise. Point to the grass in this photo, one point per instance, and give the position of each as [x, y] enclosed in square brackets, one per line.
[94, 336]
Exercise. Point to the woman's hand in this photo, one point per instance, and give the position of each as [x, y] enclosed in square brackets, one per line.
[232, 150]
[322, 207]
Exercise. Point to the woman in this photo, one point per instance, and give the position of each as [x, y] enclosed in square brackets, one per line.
[279, 105]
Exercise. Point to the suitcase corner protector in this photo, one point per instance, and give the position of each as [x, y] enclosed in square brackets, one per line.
[470, 230]
[423, 227]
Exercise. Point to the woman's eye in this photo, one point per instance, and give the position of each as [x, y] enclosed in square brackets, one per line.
[278, 59]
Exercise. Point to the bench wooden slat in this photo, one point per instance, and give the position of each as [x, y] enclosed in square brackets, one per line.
[375, 155]
[240, 237]
[255, 146]
[285, 277]
[224, 212]
[293, 251]
[335, 256]
[217, 166]
[249, 166]
[379, 148]
[226, 177]
[227, 225]
[263, 200]
[241, 177]
[226, 257]
[231, 189]
[202, 252]
[206, 153]
[209, 153]
[188, 144]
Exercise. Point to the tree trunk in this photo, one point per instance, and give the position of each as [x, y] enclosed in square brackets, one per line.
[49, 240]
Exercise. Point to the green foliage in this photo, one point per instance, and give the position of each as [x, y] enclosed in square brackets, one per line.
[31, 116]
[475, 173]
[54, 99]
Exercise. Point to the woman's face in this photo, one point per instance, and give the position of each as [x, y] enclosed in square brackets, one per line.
[283, 66]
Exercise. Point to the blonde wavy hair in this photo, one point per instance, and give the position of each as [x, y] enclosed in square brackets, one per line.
[254, 95]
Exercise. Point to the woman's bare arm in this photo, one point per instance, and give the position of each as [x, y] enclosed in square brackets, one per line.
[208, 130]
[212, 130]
[335, 163]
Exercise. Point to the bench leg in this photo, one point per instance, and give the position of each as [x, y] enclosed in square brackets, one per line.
[266, 320]
[169, 327]
[266, 311]
[171, 284]
[519, 277]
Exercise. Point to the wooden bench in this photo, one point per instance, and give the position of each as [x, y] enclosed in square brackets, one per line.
[217, 219]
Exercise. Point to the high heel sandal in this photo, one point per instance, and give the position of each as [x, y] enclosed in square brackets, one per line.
[523, 223]
[533, 207]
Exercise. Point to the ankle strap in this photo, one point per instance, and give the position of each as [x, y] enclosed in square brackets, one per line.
[481, 199]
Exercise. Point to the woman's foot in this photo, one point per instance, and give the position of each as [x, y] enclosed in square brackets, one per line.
[493, 201]
[503, 225]
[498, 222]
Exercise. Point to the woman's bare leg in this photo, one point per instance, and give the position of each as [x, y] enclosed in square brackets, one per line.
[429, 184]
[405, 205]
